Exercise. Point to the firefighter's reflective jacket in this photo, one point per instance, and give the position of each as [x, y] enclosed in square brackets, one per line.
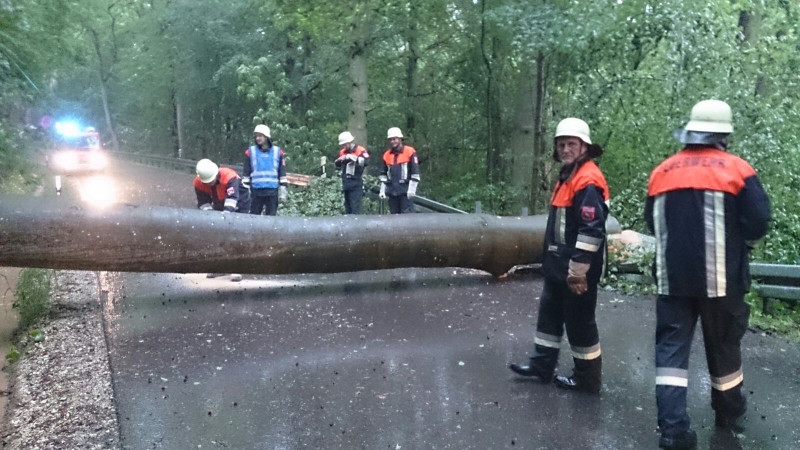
[227, 194]
[576, 226]
[703, 206]
[265, 169]
[353, 168]
[398, 169]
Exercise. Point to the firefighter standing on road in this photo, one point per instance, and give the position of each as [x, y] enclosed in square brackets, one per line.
[575, 242]
[220, 190]
[704, 205]
[264, 172]
[351, 161]
[399, 174]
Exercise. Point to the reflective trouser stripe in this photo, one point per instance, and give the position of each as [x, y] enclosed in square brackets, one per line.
[588, 243]
[561, 225]
[727, 382]
[587, 353]
[714, 222]
[547, 340]
[668, 376]
[230, 203]
[660, 225]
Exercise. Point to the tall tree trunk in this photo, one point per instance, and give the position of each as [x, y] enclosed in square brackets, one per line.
[173, 130]
[359, 93]
[539, 169]
[750, 23]
[179, 126]
[103, 77]
[521, 140]
[411, 70]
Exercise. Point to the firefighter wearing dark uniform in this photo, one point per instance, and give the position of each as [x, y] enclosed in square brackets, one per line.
[575, 243]
[264, 172]
[351, 161]
[220, 189]
[399, 174]
[704, 205]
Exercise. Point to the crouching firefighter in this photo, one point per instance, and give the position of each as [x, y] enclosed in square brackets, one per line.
[575, 242]
[220, 189]
[264, 172]
[705, 207]
[351, 161]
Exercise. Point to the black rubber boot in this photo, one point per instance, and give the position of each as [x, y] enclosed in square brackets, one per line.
[683, 440]
[532, 371]
[586, 377]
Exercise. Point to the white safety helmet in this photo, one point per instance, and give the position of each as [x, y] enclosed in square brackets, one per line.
[207, 171]
[263, 129]
[346, 138]
[710, 116]
[575, 128]
[394, 132]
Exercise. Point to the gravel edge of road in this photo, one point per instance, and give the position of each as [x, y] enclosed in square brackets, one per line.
[61, 392]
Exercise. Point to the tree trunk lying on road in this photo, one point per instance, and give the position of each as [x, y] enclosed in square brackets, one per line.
[51, 233]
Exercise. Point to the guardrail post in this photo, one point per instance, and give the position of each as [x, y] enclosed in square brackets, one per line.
[477, 207]
[524, 212]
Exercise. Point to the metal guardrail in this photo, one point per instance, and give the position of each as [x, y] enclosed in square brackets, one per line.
[188, 165]
[780, 281]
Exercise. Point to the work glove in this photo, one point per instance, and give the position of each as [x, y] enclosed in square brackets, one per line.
[351, 157]
[576, 277]
[246, 182]
[412, 189]
[382, 195]
[283, 194]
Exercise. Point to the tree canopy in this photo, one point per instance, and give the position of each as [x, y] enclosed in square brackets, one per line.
[476, 85]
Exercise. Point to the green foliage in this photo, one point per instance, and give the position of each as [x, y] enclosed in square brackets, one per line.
[628, 270]
[323, 197]
[13, 354]
[33, 295]
[774, 316]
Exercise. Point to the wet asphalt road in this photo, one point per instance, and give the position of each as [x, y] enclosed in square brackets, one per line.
[411, 359]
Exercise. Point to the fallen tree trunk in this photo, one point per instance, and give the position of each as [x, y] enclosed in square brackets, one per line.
[52, 234]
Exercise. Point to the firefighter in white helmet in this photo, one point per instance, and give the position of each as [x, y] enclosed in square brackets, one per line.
[220, 188]
[399, 174]
[264, 172]
[575, 242]
[352, 161]
[705, 207]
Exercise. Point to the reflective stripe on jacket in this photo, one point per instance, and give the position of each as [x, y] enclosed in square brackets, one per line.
[398, 169]
[265, 167]
[703, 205]
[353, 171]
[576, 225]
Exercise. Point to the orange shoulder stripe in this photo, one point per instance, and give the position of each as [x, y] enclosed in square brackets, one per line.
[707, 169]
[588, 174]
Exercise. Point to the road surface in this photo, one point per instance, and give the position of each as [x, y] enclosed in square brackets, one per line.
[403, 359]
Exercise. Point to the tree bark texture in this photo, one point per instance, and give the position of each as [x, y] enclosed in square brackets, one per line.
[359, 93]
[51, 233]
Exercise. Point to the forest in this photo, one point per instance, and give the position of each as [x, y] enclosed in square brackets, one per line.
[477, 86]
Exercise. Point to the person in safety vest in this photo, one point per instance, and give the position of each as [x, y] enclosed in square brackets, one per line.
[399, 174]
[351, 161]
[705, 207]
[220, 189]
[575, 243]
[264, 173]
